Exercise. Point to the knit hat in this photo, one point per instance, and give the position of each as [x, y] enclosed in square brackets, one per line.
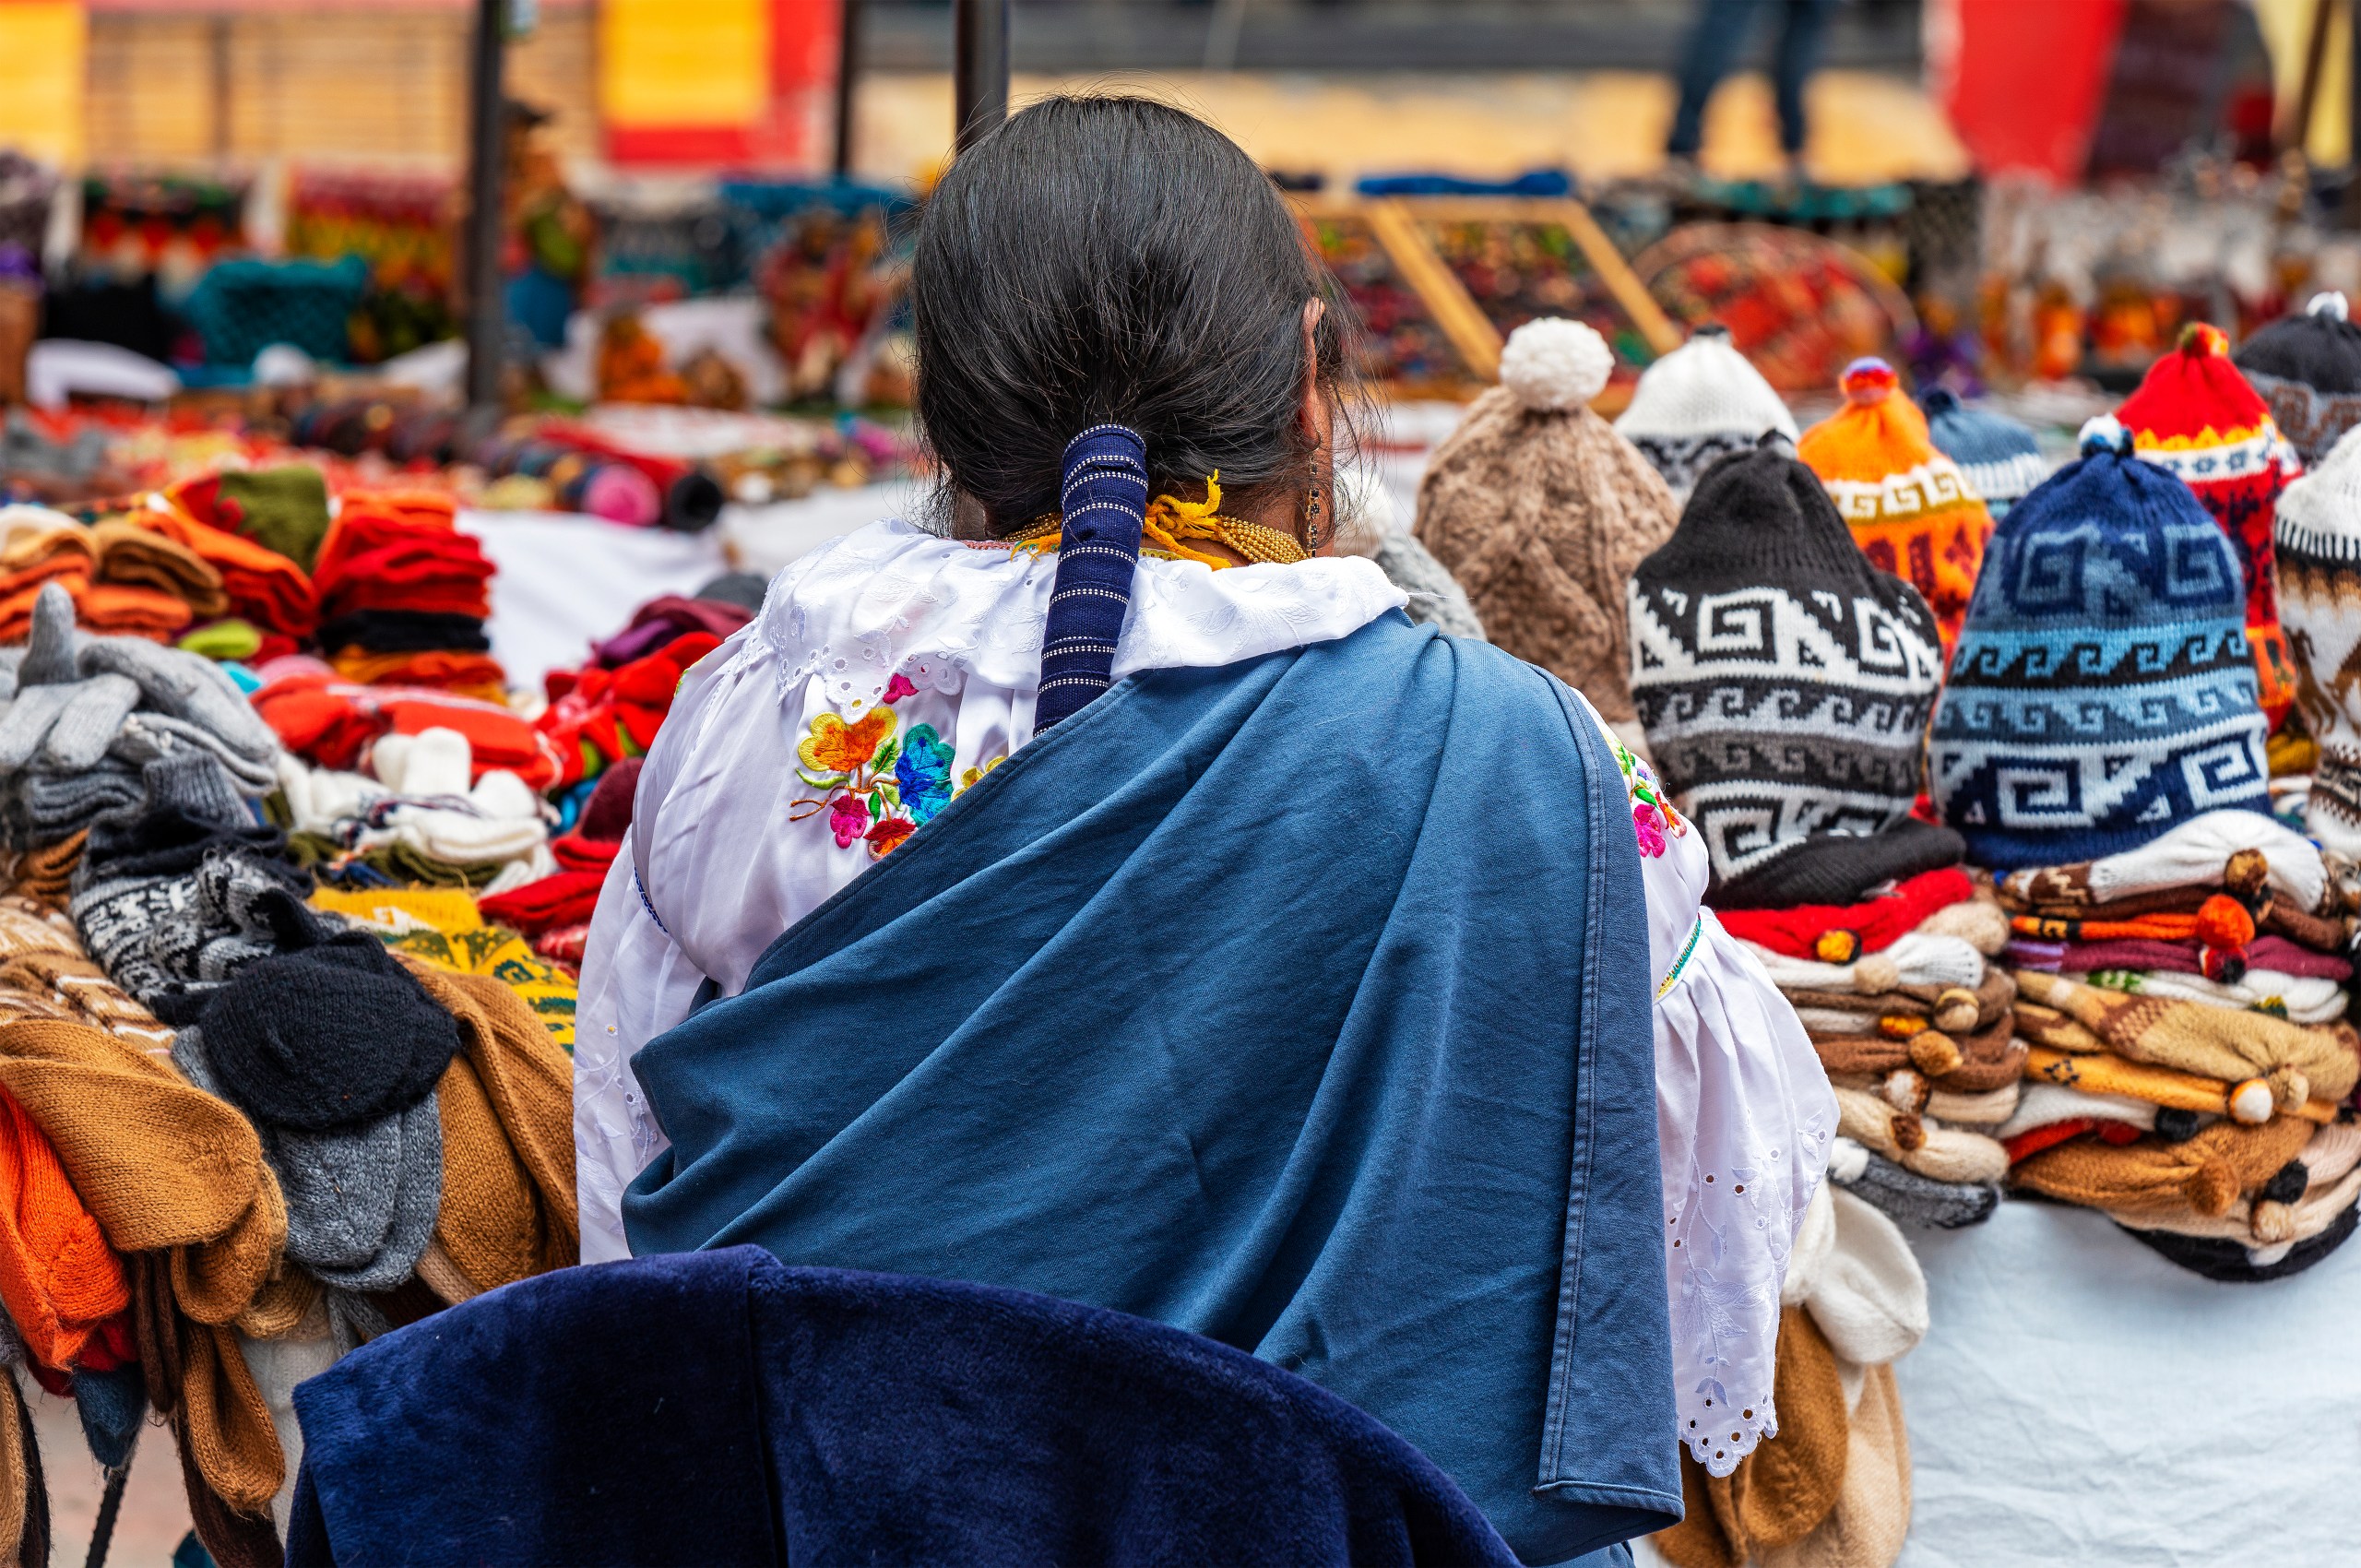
[1784, 683]
[2318, 541]
[2195, 416]
[2101, 691]
[2308, 368]
[1698, 404]
[1999, 456]
[1541, 511]
[745, 589]
[1904, 1195]
[1909, 508]
[372, 1041]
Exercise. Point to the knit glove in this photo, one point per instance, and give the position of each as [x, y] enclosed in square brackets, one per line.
[65, 727]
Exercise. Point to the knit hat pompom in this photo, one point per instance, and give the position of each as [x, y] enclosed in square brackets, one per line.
[1876, 973]
[1553, 363]
[1868, 380]
[1542, 516]
[2330, 303]
[2252, 1103]
[2104, 433]
[2223, 921]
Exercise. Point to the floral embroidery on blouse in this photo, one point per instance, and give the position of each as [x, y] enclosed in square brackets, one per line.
[1652, 817]
[968, 780]
[875, 787]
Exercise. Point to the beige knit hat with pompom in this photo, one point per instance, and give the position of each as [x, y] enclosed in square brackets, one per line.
[1541, 511]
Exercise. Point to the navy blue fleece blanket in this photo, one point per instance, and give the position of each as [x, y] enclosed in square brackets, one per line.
[720, 1408]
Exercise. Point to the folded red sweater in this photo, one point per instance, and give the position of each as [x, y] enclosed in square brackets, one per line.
[1837, 934]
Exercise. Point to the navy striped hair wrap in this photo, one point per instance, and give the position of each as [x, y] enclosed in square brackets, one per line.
[1104, 499]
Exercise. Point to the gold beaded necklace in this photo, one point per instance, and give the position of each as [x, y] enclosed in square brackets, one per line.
[1172, 522]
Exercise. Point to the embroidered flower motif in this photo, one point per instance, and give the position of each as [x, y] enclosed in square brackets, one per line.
[968, 780]
[924, 773]
[836, 748]
[1645, 822]
[848, 819]
[899, 687]
[888, 834]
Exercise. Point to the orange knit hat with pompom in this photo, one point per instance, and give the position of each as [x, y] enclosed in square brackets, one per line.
[1909, 508]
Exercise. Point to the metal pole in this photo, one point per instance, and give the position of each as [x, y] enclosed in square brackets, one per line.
[978, 66]
[847, 77]
[487, 163]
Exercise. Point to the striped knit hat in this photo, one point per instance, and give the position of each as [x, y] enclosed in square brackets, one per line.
[2308, 368]
[2319, 536]
[2102, 691]
[2196, 417]
[1699, 404]
[1909, 509]
[1784, 683]
[1999, 456]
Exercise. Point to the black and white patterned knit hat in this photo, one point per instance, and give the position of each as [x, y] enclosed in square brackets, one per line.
[2308, 368]
[1784, 685]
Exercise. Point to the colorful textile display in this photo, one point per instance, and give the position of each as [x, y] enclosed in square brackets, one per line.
[2197, 418]
[2104, 599]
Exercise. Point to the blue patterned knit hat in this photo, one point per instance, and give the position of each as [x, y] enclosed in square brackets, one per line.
[1999, 456]
[2101, 691]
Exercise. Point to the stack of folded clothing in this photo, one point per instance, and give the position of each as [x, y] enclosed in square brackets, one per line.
[2180, 968]
[333, 723]
[1909, 507]
[83, 718]
[1832, 1486]
[123, 579]
[284, 510]
[2196, 417]
[404, 595]
[423, 812]
[2308, 368]
[1784, 683]
[2000, 458]
[1699, 404]
[267, 594]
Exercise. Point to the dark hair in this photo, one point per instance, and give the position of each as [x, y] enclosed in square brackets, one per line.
[1103, 259]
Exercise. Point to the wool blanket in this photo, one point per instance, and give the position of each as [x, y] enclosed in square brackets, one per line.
[817, 1416]
[1298, 1003]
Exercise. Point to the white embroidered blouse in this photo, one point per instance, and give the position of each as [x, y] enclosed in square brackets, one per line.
[890, 669]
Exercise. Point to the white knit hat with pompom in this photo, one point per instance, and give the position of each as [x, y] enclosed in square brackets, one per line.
[1555, 364]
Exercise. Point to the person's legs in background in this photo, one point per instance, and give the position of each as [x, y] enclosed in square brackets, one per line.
[1805, 26]
[1720, 33]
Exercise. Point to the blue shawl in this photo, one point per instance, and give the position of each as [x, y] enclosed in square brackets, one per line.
[1302, 1002]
